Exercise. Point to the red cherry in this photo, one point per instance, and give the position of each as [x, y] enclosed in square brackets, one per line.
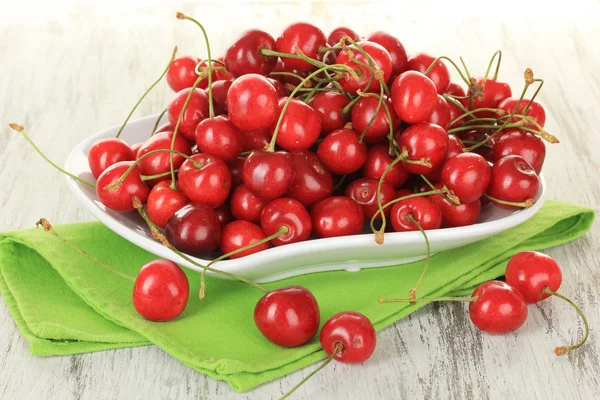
[210, 184]
[467, 175]
[106, 152]
[160, 291]
[312, 182]
[441, 114]
[455, 147]
[363, 111]
[304, 37]
[134, 149]
[243, 57]
[268, 174]
[394, 47]
[166, 127]
[256, 140]
[453, 215]
[529, 272]
[424, 141]
[182, 73]
[252, 102]
[163, 202]
[455, 112]
[235, 167]
[288, 316]
[218, 137]
[194, 229]
[380, 56]
[354, 332]
[520, 143]
[513, 180]
[535, 111]
[499, 308]
[439, 74]
[246, 206]
[329, 106]
[219, 92]
[289, 213]
[292, 80]
[281, 90]
[341, 152]
[159, 163]
[378, 160]
[493, 94]
[414, 97]
[454, 89]
[424, 211]
[403, 193]
[222, 75]
[238, 234]
[300, 126]
[364, 192]
[223, 214]
[196, 111]
[338, 33]
[121, 198]
[476, 135]
[337, 216]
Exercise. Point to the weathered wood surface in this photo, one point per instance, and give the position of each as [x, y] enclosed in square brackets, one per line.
[68, 71]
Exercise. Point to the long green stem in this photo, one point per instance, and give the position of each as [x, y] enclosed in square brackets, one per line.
[158, 121]
[283, 230]
[559, 351]
[451, 62]
[379, 103]
[487, 72]
[412, 293]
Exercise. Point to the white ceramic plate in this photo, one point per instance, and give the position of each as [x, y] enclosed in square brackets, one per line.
[350, 253]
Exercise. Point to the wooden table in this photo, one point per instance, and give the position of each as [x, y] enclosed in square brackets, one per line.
[68, 71]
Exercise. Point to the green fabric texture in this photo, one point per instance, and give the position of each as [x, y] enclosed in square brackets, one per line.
[63, 303]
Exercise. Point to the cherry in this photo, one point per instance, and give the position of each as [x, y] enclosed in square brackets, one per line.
[256, 140]
[467, 175]
[196, 111]
[182, 73]
[337, 216]
[330, 105]
[209, 184]
[304, 37]
[498, 308]
[160, 291]
[439, 74]
[350, 335]
[246, 206]
[380, 56]
[235, 168]
[268, 174]
[252, 102]
[414, 97]
[312, 182]
[222, 75]
[279, 88]
[529, 272]
[238, 234]
[300, 125]
[338, 33]
[243, 57]
[288, 78]
[163, 202]
[159, 163]
[424, 141]
[219, 92]
[194, 229]
[493, 94]
[166, 127]
[394, 47]
[441, 114]
[223, 214]
[106, 152]
[477, 135]
[454, 89]
[455, 147]
[378, 161]
[513, 180]
[121, 198]
[218, 137]
[288, 316]
[520, 143]
[364, 110]
[342, 152]
[535, 110]
[453, 215]
[134, 149]
[288, 213]
[364, 192]
[420, 209]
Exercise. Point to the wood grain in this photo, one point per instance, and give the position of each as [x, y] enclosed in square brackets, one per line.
[70, 69]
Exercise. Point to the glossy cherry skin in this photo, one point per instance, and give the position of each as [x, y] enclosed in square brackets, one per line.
[196, 111]
[312, 182]
[238, 234]
[423, 210]
[468, 175]
[378, 160]
[329, 106]
[256, 140]
[252, 103]
[289, 213]
[246, 206]
[163, 202]
[341, 152]
[439, 74]
[498, 309]
[209, 184]
[219, 91]
[354, 332]
[424, 141]
[288, 316]
[535, 111]
[394, 47]
[166, 127]
[364, 192]
[300, 126]
[134, 149]
[529, 272]
[513, 179]
[337, 216]
[338, 33]
[223, 214]
[455, 112]
[364, 110]
[380, 56]
[453, 215]
[159, 163]
[455, 89]
[441, 115]
[106, 152]
[121, 199]
[304, 37]
[219, 138]
[182, 73]
[414, 97]
[268, 175]
[194, 229]
[493, 93]
[243, 56]
[279, 88]
[235, 168]
[523, 144]
[160, 291]
[455, 147]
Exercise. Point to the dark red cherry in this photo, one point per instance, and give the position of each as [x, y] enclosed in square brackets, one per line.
[135, 148]
[268, 175]
[223, 214]
[520, 143]
[182, 73]
[121, 198]
[243, 56]
[196, 111]
[394, 47]
[475, 136]
[159, 163]
[194, 229]
[252, 103]
[218, 137]
[163, 202]
[364, 110]
[219, 92]
[529, 272]
[334, 37]
[380, 56]
[341, 152]
[256, 140]
[414, 97]
[364, 192]
[499, 308]
[423, 210]
[329, 106]
[312, 182]
[288, 213]
[441, 114]
[210, 184]
[304, 37]
[513, 180]
[454, 89]
[424, 141]
[467, 175]
[106, 152]
[439, 74]
[453, 215]
[351, 331]
[535, 110]
[281, 90]
[238, 234]
[378, 160]
[236, 167]
[300, 126]
[455, 147]
[493, 94]
[337, 216]
[246, 206]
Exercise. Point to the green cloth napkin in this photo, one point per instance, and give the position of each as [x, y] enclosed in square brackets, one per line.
[63, 303]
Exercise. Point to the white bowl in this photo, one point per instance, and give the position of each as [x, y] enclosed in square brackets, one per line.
[350, 253]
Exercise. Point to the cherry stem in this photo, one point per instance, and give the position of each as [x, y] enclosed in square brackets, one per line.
[338, 349]
[21, 130]
[147, 91]
[379, 234]
[429, 300]
[455, 103]
[470, 113]
[158, 121]
[48, 228]
[412, 292]
[379, 103]
[448, 195]
[373, 66]
[211, 110]
[347, 109]
[150, 177]
[487, 72]
[426, 73]
[559, 351]
[541, 81]
[525, 204]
